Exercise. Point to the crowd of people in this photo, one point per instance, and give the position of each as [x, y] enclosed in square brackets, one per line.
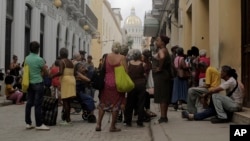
[178, 78]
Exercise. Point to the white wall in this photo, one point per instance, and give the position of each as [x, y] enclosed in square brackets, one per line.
[53, 16]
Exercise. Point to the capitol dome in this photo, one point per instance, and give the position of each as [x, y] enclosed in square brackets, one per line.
[133, 19]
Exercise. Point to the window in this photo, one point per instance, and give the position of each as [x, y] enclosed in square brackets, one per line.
[28, 15]
[10, 8]
[66, 37]
[79, 44]
[42, 20]
[73, 45]
[8, 30]
[28, 10]
[57, 40]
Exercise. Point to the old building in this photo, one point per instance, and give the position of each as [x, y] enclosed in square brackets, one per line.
[109, 28]
[53, 23]
[219, 26]
[133, 27]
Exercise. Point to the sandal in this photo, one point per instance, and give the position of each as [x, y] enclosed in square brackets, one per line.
[98, 129]
[151, 114]
[114, 130]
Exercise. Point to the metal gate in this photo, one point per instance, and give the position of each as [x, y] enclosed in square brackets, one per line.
[245, 6]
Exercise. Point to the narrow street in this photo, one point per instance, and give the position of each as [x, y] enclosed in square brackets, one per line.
[177, 129]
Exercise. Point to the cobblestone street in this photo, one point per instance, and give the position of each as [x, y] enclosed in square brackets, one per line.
[13, 129]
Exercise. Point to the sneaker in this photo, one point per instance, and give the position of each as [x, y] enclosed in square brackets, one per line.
[218, 120]
[65, 123]
[184, 114]
[29, 126]
[42, 127]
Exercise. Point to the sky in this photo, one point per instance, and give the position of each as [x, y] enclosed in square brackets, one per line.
[141, 6]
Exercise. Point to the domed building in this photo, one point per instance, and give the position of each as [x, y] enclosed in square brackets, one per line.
[133, 27]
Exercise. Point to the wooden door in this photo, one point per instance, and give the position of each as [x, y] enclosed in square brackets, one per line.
[245, 5]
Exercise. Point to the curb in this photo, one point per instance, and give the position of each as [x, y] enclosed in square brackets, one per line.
[5, 103]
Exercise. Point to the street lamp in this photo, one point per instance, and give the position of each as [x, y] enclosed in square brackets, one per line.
[86, 27]
[57, 3]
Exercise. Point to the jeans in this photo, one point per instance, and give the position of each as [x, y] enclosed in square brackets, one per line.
[205, 114]
[86, 101]
[193, 94]
[90, 91]
[34, 98]
[222, 103]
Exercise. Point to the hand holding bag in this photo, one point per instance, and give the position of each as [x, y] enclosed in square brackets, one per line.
[122, 80]
[25, 79]
[99, 76]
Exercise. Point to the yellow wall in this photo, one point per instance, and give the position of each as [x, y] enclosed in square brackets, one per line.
[187, 25]
[219, 22]
[96, 50]
[230, 34]
[200, 24]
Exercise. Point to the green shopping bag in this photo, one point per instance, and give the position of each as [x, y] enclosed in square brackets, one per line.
[122, 80]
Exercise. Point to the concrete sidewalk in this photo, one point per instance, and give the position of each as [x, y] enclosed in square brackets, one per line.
[4, 101]
[178, 129]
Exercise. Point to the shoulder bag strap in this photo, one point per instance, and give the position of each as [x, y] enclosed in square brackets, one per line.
[231, 93]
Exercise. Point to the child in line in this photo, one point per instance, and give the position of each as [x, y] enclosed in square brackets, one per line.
[10, 92]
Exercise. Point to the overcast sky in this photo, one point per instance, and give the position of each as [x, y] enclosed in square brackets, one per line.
[141, 6]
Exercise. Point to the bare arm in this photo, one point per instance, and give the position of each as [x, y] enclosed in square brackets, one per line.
[83, 77]
[61, 68]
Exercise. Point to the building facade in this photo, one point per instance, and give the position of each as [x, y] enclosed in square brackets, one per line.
[111, 27]
[217, 26]
[71, 25]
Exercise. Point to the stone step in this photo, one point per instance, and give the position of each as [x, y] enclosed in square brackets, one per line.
[242, 117]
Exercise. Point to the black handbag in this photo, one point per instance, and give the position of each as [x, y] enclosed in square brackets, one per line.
[99, 77]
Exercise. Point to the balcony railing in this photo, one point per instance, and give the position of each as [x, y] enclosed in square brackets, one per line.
[151, 25]
[74, 5]
[91, 17]
[158, 3]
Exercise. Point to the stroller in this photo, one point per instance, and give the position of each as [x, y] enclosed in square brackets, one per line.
[83, 102]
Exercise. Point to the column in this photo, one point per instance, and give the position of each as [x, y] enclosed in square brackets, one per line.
[18, 32]
[2, 32]
[214, 32]
[35, 25]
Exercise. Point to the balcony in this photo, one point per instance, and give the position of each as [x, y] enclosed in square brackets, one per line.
[158, 4]
[89, 19]
[151, 25]
[92, 19]
[74, 5]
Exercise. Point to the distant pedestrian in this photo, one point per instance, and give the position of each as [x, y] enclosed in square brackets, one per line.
[15, 66]
[12, 93]
[162, 76]
[36, 87]
[180, 87]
